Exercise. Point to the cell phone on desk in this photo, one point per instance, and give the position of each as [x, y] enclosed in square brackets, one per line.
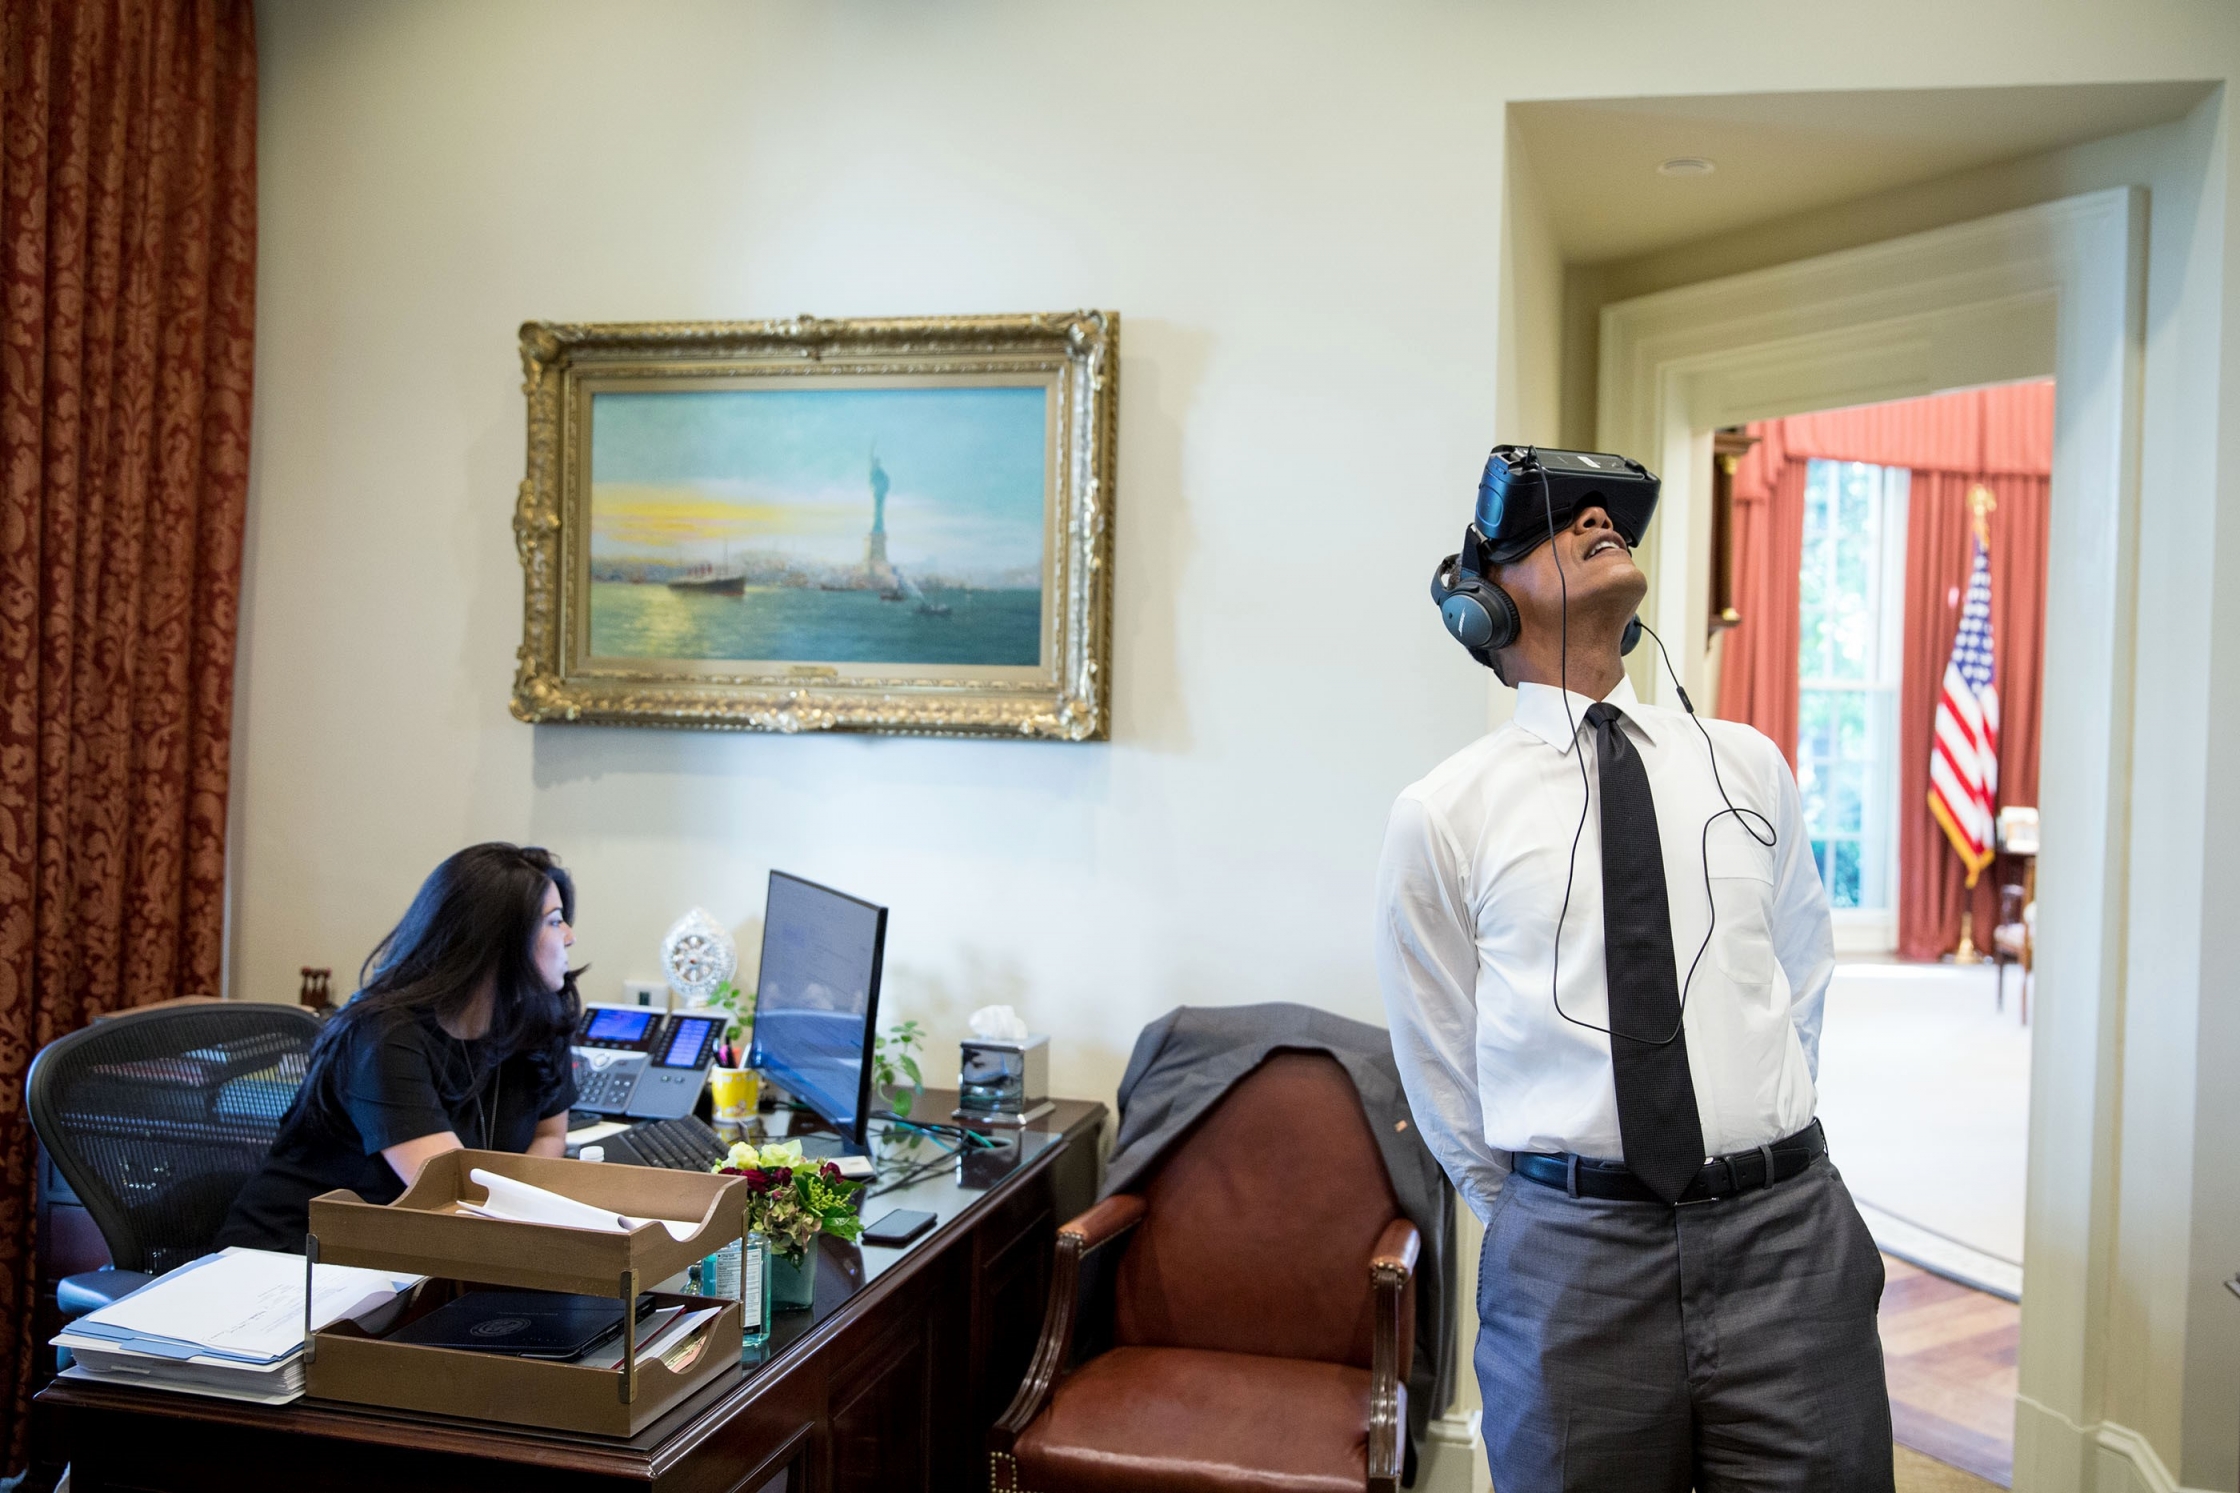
[897, 1226]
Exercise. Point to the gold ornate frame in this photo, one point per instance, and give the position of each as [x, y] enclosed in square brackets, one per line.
[1067, 697]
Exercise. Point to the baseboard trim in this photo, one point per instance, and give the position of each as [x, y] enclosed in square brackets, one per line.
[1454, 1430]
[2144, 1463]
[2053, 1454]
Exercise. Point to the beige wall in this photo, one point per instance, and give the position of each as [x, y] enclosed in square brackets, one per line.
[1300, 211]
[1532, 276]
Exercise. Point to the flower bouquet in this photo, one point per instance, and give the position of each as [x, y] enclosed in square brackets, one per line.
[791, 1200]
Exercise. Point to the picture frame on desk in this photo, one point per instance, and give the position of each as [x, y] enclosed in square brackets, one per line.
[899, 526]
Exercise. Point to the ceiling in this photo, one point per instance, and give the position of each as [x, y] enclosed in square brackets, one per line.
[1783, 153]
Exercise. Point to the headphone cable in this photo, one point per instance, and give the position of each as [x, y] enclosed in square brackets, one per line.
[1586, 803]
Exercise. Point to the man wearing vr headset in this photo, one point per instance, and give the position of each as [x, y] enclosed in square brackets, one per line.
[1603, 946]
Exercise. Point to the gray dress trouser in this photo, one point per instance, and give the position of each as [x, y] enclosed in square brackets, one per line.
[1638, 1348]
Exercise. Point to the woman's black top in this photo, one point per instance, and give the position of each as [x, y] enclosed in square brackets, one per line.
[392, 1077]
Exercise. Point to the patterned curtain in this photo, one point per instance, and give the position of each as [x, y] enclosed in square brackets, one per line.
[127, 272]
[1758, 657]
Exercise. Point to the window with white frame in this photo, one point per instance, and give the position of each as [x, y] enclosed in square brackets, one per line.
[1851, 616]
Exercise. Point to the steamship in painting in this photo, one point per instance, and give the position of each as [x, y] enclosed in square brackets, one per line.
[712, 580]
[724, 526]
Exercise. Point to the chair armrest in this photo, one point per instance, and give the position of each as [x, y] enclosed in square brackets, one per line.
[1109, 1220]
[1397, 1249]
[1392, 1270]
[1105, 1222]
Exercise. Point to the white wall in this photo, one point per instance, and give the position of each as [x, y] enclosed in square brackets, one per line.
[1307, 381]
[1298, 208]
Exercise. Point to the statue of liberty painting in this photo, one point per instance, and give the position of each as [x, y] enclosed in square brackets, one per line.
[729, 526]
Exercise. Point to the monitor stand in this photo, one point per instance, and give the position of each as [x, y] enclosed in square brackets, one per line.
[823, 1145]
[797, 1122]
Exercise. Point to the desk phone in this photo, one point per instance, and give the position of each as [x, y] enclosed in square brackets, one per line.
[636, 1062]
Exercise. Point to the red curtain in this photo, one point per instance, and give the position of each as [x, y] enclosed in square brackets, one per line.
[1758, 657]
[2001, 438]
[127, 225]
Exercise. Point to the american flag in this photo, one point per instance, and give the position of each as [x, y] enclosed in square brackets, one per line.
[1964, 757]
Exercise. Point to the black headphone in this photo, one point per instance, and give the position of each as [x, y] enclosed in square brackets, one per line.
[1478, 613]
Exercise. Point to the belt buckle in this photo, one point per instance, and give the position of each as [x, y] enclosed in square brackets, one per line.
[1734, 1183]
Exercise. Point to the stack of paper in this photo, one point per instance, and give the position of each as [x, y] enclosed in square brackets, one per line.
[522, 1203]
[229, 1324]
[666, 1335]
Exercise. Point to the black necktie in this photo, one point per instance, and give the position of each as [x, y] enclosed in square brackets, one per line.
[1657, 1121]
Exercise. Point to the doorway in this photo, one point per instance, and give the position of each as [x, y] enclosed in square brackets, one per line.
[1884, 572]
[2042, 292]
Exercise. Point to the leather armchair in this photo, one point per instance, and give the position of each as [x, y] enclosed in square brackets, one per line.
[1244, 1325]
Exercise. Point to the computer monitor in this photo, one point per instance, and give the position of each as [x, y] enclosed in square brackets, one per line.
[817, 998]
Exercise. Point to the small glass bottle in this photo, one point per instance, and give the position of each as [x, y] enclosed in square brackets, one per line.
[753, 1279]
[719, 1273]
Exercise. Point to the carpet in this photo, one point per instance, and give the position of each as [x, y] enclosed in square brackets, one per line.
[1916, 1060]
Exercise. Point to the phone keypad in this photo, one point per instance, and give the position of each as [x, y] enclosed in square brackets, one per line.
[604, 1079]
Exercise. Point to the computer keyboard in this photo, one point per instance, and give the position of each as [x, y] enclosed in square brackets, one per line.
[684, 1145]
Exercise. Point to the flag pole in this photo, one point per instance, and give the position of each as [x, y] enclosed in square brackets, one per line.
[1980, 504]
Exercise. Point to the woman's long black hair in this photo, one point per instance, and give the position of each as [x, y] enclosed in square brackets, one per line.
[475, 919]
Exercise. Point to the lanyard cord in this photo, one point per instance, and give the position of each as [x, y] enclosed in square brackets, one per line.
[485, 1116]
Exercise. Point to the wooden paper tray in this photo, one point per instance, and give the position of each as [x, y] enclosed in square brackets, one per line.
[424, 1233]
[346, 1364]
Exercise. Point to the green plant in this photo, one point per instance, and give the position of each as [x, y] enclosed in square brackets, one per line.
[793, 1199]
[893, 1058]
[738, 1006]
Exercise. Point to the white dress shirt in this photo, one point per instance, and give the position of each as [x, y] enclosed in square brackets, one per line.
[1468, 893]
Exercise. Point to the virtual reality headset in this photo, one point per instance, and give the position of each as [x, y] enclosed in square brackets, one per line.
[1527, 491]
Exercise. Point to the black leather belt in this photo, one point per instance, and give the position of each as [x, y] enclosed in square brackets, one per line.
[1721, 1176]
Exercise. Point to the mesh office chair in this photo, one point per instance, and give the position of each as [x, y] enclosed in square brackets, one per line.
[157, 1119]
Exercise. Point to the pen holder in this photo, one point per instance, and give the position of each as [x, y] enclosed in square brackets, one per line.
[734, 1092]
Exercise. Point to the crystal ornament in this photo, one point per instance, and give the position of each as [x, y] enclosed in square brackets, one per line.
[698, 955]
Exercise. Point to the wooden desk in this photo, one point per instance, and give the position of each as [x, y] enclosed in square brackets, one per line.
[889, 1382]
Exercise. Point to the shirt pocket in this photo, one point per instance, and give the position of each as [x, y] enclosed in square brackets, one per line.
[1742, 896]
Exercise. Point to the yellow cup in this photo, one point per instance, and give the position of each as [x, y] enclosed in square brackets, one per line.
[735, 1092]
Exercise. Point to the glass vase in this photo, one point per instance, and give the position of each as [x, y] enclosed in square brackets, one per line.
[793, 1282]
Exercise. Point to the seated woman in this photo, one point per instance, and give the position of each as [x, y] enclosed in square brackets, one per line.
[457, 1037]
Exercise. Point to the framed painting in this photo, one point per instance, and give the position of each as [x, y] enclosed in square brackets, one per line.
[898, 526]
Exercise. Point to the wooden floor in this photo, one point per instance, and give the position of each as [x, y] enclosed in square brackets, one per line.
[1949, 1352]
